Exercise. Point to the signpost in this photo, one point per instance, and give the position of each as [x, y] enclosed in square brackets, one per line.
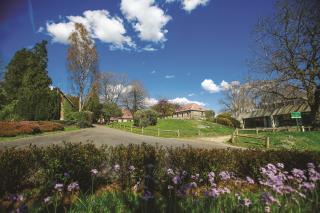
[296, 115]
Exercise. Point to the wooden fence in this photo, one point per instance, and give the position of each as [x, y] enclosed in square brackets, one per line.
[278, 129]
[157, 132]
[235, 137]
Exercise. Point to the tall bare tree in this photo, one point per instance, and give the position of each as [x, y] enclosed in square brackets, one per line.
[289, 52]
[238, 98]
[134, 98]
[82, 61]
[112, 86]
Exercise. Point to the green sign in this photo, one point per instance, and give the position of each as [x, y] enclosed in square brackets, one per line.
[295, 114]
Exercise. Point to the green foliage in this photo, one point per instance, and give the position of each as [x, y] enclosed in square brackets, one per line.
[43, 167]
[111, 110]
[27, 82]
[144, 118]
[224, 121]
[8, 112]
[223, 117]
[68, 111]
[209, 114]
[84, 119]
[164, 108]
[93, 105]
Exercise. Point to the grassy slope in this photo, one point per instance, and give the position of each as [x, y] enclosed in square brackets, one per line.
[288, 140]
[187, 128]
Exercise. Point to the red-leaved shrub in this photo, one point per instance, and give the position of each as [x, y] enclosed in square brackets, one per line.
[14, 128]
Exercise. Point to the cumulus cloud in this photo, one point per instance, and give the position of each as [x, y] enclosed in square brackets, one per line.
[191, 94]
[189, 5]
[211, 87]
[100, 25]
[147, 19]
[184, 101]
[169, 76]
[150, 101]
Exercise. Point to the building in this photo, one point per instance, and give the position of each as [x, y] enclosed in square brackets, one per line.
[63, 99]
[126, 117]
[276, 117]
[190, 111]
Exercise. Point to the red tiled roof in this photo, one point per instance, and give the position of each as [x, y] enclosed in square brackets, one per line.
[126, 114]
[191, 107]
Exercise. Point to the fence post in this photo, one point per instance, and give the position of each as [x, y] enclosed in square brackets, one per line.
[257, 131]
[237, 132]
[232, 138]
[267, 142]
[178, 133]
[302, 128]
[142, 130]
[158, 132]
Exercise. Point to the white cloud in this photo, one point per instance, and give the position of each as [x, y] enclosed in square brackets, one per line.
[153, 72]
[189, 5]
[169, 76]
[184, 101]
[147, 19]
[40, 30]
[150, 101]
[191, 94]
[100, 25]
[148, 48]
[211, 87]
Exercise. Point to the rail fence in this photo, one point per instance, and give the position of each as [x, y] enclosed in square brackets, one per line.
[235, 138]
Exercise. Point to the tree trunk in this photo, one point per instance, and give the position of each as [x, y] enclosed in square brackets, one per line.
[315, 110]
[80, 103]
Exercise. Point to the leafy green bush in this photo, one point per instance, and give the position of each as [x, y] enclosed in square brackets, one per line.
[224, 121]
[8, 113]
[84, 119]
[144, 118]
[227, 116]
[43, 167]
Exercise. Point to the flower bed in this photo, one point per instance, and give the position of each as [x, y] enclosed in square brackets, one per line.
[14, 128]
[83, 178]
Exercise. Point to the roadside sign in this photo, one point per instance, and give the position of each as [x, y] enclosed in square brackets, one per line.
[295, 115]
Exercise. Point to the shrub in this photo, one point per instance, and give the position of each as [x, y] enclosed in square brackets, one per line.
[144, 118]
[83, 119]
[209, 115]
[226, 115]
[14, 128]
[224, 121]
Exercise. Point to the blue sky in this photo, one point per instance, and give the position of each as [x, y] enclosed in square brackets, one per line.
[187, 50]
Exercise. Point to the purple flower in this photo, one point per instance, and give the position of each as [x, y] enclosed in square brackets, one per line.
[184, 173]
[306, 186]
[74, 186]
[58, 187]
[211, 176]
[313, 175]
[224, 175]
[176, 179]
[94, 172]
[268, 199]
[195, 177]
[213, 192]
[147, 195]
[298, 174]
[250, 180]
[311, 166]
[47, 200]
[193, 185]
[116, 167]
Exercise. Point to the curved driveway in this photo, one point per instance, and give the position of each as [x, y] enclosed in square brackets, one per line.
[101, 135]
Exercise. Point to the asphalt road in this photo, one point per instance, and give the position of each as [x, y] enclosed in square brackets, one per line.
[100, 135]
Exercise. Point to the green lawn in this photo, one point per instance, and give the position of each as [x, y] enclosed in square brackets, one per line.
[66, 129]
[187, 128]
[287, 140]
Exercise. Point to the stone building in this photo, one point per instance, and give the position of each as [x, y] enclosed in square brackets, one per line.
[190, 111]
